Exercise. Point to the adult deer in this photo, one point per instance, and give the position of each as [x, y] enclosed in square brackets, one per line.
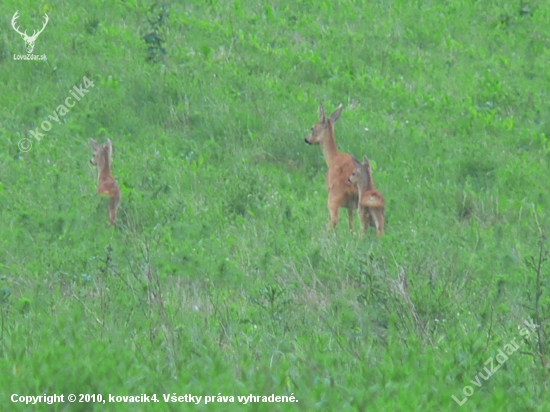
[341, 193]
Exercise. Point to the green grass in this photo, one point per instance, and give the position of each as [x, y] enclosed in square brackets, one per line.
[220, 276]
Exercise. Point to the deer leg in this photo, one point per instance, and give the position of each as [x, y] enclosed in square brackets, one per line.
[350, 218]
[380, 225]
[365, 219]
[333, 210]
[377, 217]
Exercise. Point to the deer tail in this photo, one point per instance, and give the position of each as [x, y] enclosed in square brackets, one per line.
[373, 200]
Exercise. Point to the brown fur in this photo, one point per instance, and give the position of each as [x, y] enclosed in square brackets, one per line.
[341, 193]
[106, 183]
[372, 204]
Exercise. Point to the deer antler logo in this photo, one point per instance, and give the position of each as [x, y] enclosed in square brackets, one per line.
[29, 40]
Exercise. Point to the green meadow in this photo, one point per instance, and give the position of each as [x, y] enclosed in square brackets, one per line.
[220, 278]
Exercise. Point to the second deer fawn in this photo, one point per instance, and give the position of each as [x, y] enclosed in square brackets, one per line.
[341, 193]
[106, 183]
[371, 202]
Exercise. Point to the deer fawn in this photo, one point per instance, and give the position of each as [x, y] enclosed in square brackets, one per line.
[371, 202]
[106, 183]
[341, 193]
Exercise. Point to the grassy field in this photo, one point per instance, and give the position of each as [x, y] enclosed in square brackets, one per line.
[220, 278]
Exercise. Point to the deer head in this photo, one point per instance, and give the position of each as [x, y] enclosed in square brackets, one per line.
[29, 40]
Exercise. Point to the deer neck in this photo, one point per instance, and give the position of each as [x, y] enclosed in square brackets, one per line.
[103, 169]
[330, 151]
[362, 187]
[370, 182]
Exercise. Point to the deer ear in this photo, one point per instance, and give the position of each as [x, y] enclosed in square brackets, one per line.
[336, 115]
[356, 162]
[109, 146]
[322, 116]
[366, 160]
[97, 147]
